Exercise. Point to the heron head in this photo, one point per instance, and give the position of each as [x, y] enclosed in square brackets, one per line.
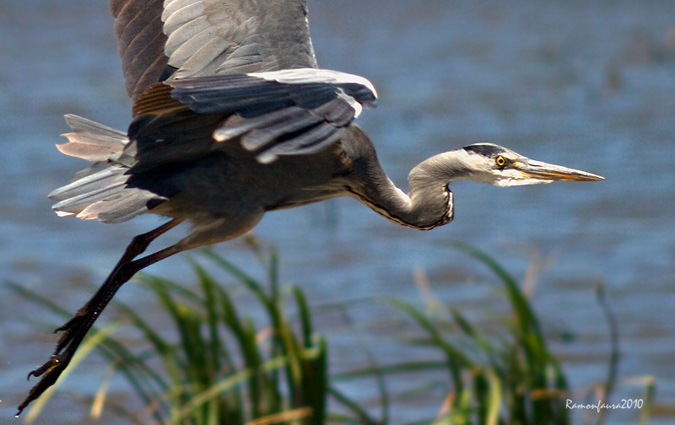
[499, 166]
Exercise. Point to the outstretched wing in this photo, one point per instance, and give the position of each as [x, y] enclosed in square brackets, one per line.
[274, 113]
[247, 67]
[160, 39]
[287, 112]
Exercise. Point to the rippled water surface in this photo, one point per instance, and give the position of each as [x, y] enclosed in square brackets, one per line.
[589, 85]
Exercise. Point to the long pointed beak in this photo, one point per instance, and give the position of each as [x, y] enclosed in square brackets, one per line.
[543, 171]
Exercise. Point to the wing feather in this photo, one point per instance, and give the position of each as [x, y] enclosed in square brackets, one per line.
[138, 27]
[186, 33]
[257, 35]
[262, 136]
[193, 38]
[311, 141]
[171, 6]
[247, 66]
[288, 112]
[257, 93]
[201, 54]
[177, 19]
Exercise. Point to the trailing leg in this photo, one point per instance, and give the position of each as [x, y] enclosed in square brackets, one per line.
[77, 328]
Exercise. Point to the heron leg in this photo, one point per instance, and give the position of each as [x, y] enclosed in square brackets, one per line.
[76, 328]
[137, 246]
[141, 242]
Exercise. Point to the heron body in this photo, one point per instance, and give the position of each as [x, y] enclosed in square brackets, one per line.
[232, 118]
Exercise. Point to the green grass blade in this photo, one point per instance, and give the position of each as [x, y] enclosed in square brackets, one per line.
[317, 384]
[615, 354]
[209, 298]
[147, 383]
[362, 416]
[494, 398]
[455, 359]
[226, 385]
[245, 337]
[526, 317]
[241, 276]
[305, 316]
[433, 331]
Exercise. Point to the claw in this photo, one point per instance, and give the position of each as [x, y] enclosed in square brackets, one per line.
[51, 370]
[53, 362]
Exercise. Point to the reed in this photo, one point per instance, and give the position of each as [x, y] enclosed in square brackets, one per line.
[215, 365]
[503, 376]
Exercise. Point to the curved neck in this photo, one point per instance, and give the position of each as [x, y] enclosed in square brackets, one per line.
[429, 203]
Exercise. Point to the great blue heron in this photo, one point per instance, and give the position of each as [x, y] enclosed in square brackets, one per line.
[232, 118]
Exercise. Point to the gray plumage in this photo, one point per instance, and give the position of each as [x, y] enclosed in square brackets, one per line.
[100, 191]
[232, 118]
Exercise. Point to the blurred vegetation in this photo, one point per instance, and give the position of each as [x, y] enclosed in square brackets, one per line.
[272, 367]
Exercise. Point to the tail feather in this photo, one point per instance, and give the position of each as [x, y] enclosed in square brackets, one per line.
[122, 208]
[100, 191]
[92, 141]
[79, 194]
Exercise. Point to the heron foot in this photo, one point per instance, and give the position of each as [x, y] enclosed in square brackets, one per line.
[73, 333]
[51, 370]
[76, 328]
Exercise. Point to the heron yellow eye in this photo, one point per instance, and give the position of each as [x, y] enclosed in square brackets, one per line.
[500, 161]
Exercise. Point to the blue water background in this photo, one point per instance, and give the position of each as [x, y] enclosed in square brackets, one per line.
[589, 85]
